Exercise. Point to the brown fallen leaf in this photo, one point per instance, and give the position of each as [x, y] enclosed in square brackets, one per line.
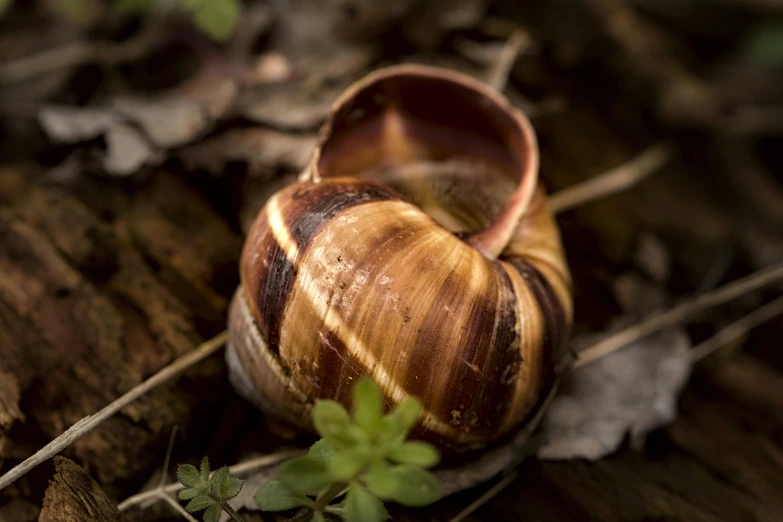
[633, 390]
[258, 147]
[127, 150]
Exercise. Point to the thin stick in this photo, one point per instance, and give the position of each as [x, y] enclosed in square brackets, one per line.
[498, 78]
[679, 313]
[738, 328]
[486, 497]
[177, 507]
[612, 181]
[167, 460]
[78, 53]
[90, 422]
[237, 469]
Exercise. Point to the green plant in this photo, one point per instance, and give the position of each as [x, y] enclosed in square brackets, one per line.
[208, 493]
[364, 456]
[216, 18]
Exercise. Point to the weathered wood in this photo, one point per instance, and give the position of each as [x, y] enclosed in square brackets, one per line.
[94, 297]
[72, 496]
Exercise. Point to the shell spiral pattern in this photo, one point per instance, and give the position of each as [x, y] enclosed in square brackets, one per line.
[417, 249]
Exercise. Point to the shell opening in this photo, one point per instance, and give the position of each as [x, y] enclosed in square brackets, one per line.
[452, 145]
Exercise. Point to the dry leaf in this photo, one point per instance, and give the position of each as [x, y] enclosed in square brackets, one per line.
[634, 390]
[262, 149]
[126, 149]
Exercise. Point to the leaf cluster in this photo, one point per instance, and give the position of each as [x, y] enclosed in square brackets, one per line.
[365, 455]
[205, 492]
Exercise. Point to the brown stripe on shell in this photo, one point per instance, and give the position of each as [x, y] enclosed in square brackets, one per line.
[555, 322]
[268, 276]
[269, 273]
[314, 205]
[482, 381]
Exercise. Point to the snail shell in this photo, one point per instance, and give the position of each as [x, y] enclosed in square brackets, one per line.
[417, 249]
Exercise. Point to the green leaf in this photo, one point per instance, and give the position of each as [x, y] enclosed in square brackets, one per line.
[188, 493]
[363, 506]
[322, 451]
[188, 475]
[415, 452]
[331, 421]
[4, 5]
[381, 481]
[217, 18]
[224, 485]
[405, 415]
[134, 6]
[764, 44]
[345, 466]
[367, 404]
[200, 502]
[213, 513]
[205, 469]
[305, 474]
[416, 486]
[277, 496]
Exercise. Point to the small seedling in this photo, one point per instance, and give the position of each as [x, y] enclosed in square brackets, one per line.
[362, 459]
[208, 493]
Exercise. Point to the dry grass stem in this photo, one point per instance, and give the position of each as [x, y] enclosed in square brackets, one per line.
[679, 313]
[75, 54]
[738, 328]
[90, 422]
[237, 469]
[612, 181]
[486, 497]
[498, 77]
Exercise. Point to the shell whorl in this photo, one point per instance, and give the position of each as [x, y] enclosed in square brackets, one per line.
[370, 265]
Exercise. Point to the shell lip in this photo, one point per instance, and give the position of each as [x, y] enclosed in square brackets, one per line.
[412, 131]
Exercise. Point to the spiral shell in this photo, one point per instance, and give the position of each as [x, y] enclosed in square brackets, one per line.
[418, 249]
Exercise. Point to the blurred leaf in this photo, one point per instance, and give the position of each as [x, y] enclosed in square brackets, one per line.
[764, 44]
[217, 17]
[406, 414]
[318, 517]
[213, 513]
[415, 486]
[134, 6]
[4, 5]
[367, 404]
[79, 12]
[188, 475]
[346, 465]
[415, 452]
[305, 474]
[381, 481]
[322, 451]
[200, 502]
[331, 421]
[363, 506]
[277, 496]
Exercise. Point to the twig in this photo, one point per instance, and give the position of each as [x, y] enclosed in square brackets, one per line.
[237, 469]
[167, 460]
[177, 507]
[486, 497]
[78, 53]
[680, 312]
[498, 78]
[738, 328]
[90, 422]
[612, 181]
